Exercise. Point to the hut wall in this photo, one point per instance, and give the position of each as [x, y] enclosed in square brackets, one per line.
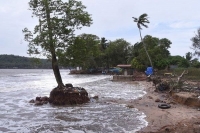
[122, 78]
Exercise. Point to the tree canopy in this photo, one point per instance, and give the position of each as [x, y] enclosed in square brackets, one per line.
[57, 22]
[157, 49]
[117, 52]
[82, 52]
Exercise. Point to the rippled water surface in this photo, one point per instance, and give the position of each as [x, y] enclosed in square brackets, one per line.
[17, 87]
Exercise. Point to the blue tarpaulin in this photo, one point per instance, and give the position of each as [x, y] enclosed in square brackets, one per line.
[149, 71]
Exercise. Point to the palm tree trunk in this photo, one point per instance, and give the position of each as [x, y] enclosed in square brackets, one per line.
[145, 48]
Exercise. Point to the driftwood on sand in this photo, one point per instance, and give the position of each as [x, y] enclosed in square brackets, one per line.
[181, 90]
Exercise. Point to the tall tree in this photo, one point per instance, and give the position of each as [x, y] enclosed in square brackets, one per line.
[83, 51]
[196, 43]
[141, 21]
[117, 52]
[57, 23]
[104, 43]
[157, 49]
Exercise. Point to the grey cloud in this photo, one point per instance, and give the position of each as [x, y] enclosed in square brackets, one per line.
[111, 19]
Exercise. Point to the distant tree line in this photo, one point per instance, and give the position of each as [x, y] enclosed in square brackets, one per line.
[13, 61]
[89, 51]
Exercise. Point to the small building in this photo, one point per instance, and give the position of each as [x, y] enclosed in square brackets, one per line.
[126, 69]
[127, 73]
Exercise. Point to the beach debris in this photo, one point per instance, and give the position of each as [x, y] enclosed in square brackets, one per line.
[37, 103]
[157, 100]
[167, 130]
[150, 97]
[32, 101]
[44, 99]
[93, 98]
[160, 101]
[177, 85]
[163, 86]
[140, 98]
[164, 106]
[180, 77]
[172, 84]
[139, 76]
[130, 106]
[41, 100]
[156, 80]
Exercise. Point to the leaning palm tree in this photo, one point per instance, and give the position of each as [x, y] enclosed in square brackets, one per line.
[141, 22]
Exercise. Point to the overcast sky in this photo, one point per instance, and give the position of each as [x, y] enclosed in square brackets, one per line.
[176, 20]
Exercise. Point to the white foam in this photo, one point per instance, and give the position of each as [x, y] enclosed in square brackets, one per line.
[17, 115]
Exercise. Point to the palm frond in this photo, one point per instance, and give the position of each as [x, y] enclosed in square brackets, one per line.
[144, 20]
[141, 21]
[143, 16]
[135, 19]
[146, 26]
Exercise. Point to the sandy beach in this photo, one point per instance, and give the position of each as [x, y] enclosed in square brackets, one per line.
[177, 119]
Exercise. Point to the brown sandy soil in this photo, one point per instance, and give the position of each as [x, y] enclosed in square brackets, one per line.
[177, 119]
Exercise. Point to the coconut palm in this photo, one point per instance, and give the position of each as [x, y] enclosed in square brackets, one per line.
[141, 21]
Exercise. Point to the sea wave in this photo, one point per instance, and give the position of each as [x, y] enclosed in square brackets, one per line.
[17, 115]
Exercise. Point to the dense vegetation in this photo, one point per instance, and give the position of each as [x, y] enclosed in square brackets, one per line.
[89, 51]
[12, 61]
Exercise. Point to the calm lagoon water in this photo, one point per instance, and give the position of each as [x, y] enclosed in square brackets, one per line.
[17, 115]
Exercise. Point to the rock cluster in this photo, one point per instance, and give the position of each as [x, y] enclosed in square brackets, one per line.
[40, 100]
[67, 95]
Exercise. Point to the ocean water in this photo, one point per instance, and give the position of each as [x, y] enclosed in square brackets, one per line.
[17, 115]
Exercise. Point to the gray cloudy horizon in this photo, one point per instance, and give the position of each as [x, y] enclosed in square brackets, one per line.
[175, 20]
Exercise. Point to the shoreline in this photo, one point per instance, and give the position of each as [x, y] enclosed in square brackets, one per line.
[166, 120]
[177, 119]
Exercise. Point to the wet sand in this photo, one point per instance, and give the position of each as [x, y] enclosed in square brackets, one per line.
[177, 119]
